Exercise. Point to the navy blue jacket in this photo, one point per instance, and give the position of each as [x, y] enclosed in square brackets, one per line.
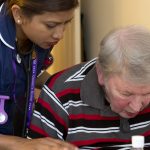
[13, 78]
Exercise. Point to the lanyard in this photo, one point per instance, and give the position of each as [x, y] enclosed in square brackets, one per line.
[31, 77]
[32, 86]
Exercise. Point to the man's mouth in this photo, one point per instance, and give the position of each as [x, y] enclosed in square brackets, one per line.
[131, 114]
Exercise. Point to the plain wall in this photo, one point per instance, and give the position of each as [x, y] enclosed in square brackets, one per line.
[101, 16]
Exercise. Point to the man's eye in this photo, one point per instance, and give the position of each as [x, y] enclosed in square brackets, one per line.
[126, 94]
[147, 95]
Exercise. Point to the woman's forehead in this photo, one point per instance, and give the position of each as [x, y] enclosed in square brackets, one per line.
[60, 16]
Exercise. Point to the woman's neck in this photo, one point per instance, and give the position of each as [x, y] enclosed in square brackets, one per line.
[24, 45]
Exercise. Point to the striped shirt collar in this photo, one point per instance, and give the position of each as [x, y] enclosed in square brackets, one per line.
[93, 94]
[91, 89]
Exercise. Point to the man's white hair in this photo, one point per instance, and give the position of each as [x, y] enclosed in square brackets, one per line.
[126, 51]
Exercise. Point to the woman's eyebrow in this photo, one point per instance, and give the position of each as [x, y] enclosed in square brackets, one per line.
[57, 23]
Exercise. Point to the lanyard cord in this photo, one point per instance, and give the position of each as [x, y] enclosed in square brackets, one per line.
[32, 86]
[27, 97]
[31, 71]
[30, 92]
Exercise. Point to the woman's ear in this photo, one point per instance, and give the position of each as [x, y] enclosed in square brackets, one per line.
[16, 13]
[100, 74]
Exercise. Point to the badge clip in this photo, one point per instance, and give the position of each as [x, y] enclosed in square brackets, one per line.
[3, 114]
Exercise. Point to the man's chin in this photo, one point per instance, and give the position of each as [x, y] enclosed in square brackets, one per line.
[128, 115]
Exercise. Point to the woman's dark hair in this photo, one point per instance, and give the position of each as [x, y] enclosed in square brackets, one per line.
[35, 7]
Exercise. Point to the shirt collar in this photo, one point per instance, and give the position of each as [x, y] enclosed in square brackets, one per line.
[91, 92]
[7, 28]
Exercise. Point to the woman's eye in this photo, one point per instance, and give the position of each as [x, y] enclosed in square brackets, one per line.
[67, 22]
[51, 25]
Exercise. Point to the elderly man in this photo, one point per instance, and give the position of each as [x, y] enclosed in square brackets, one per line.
[100, 104]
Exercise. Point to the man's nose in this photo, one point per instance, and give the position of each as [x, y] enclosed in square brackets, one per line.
[136, 104]
[59, 32]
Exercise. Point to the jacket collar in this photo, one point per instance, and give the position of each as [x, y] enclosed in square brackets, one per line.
[7, 28]
[91, 89]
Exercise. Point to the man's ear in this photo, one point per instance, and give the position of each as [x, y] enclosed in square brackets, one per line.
[100, 74]
[16, 12]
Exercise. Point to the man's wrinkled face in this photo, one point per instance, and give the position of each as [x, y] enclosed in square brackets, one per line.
[126, 98]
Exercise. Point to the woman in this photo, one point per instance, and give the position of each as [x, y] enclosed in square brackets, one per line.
[28, 31]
